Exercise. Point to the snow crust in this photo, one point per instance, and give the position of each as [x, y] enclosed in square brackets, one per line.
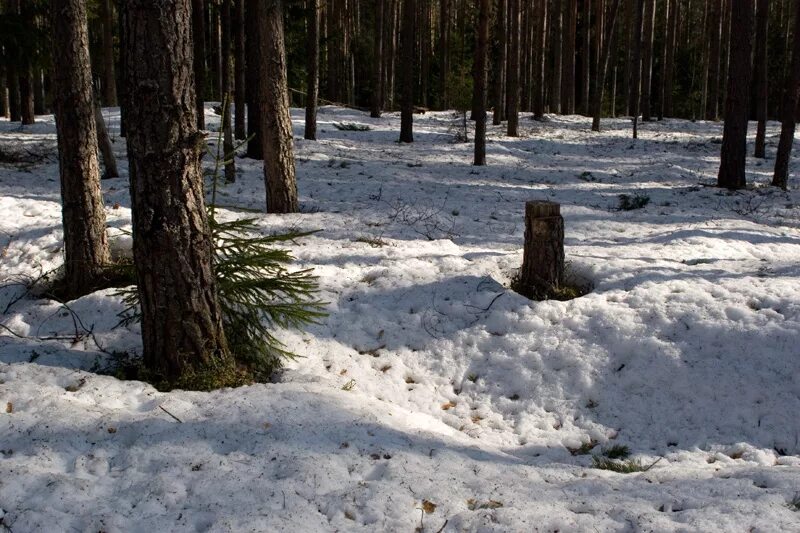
[431, 381]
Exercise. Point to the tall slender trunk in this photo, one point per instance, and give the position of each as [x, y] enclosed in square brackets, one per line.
[484, 7]
[568, 58]
[444, 50]
[734, 137]
[670, 44]
[253, 62]
[647, 58]
[500, 63]
[780, 178]
[312, 56]
[181, 317]
[557, 38]
[513, 70]
[636, 65]
[602, 67]
[276, 122]
[109, 76]
[215, 51]
[712, 76]
[104, 143]
[225, 77]
[408, 39]
[377, 61]
[39, 99]
[239, 90]
[540, 46]
[84, 219]
[586, 55]
[760, 65]
[3, 91]
[199, 40]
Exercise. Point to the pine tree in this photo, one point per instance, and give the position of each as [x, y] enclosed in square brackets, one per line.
[482, 39]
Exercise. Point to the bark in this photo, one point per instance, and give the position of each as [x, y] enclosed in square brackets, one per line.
[484, 6]
[500, 63]
[712, 76]
[83, 214]
[104, 144]
[635, 82]
[181, 317]
[734, 136]
[239, 127]
[513, 70]
[602, 67]
[557, 37]
[540, 42]
[542, 270]
[312, 70]
[780, 178]
[225, 77]
[377, 65]
[444, 50]
[407, 39]
[670, 43]
[276, 123]
[109, 76]
[215, 51]
[760, 65]
[27, 115]
[39, 99]
[253, 60]
[199, 39]
[3, 91]
[12, 69]
[568, 58]
[647, 58]
[586, 54]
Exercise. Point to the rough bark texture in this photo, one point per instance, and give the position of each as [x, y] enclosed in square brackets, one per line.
[513, 70]
[543, 260]
[377, 67]
[109, 76]
[84, 218]
[407, 41]
[226, 78]
[734, 136]
[482, 41]
[788, 113]
[239, 127]
[181, 318]
[252, 31]
[199, 40]
[276, 124]
[312, 55]
[760, 65]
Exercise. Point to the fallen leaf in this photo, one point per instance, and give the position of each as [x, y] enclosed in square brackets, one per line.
[428, 506]
[448, 405]
[112, 430]
[9, 407]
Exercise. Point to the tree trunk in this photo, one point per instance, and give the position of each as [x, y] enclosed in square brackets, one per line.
[228, 152]
[484, 8]
[586, 54]
[714, 32]
[513, 70]
[734, 137]
[181, 316]
[670, 44]
[276, 122]
[84, 218]
[557, 38]
[3, 91]
[540, 43]
[377, 65]
[647, 58]
[215, 51]
[568, 58]
[312, 69]
[788, 113]
[39, 99]
[500, 63]
[636, 65]
[253, 61]
[760, 64]
[104, 144]
[542, 271]
[240, 99]
[109, 78]
[602, 67]
[444, 50]
[199, 38]
[407, 39]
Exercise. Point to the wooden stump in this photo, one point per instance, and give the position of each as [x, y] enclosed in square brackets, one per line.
[543, 263]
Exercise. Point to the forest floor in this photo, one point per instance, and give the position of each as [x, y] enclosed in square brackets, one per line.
[433, 396]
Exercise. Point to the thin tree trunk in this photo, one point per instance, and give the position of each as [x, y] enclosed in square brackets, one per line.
[513, 70]
[602, 67]
[444, 50]
[225, 76]
[734, 137]
[181, 317]
[484, 8]
[104, 144]
[109, 77]
[636, 65]
[500, 63]
[540, 42]
[276, 122]
[568, 58]
[199, 39]
[408, 39]
[3, 91]
[239, 68]
[253, 61]
[780, 178]
[377, 65]
[39, 105]
[647, 58]
[586, 55]
[760, 64]
[84, 219]
[312, 55]
[557, 39]
[670, 44]
[714, 31]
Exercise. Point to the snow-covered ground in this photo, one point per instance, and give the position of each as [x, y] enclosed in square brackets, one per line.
[434, 397]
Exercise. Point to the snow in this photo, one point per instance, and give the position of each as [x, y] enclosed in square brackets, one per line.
[461, 392]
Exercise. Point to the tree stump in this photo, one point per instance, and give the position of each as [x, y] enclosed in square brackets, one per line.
[543, 263]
